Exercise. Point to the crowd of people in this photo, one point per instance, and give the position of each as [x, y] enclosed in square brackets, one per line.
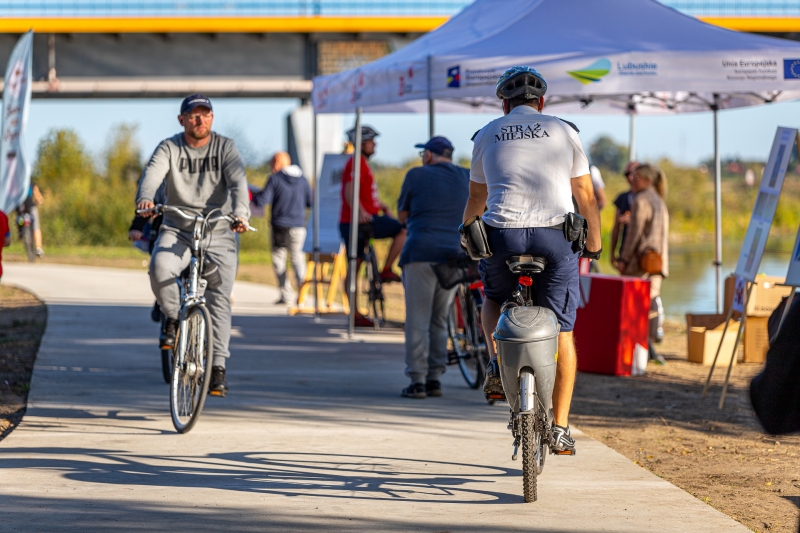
[528, 172]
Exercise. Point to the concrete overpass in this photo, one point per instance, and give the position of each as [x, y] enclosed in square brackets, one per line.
[241, 48]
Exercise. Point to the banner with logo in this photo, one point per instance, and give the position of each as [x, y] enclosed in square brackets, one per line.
[665, 63]
[15, 169]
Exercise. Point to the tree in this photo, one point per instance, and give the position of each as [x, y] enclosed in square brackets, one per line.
[605, 153]
[123, 157]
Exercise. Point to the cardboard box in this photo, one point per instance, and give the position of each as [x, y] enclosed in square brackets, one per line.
[764, 298]
[704, 333]
[756, 339]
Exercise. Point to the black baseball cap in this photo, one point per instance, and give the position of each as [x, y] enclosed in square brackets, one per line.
[194, 100]
[438, 145]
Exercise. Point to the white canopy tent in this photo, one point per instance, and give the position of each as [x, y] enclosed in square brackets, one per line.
[615, 56]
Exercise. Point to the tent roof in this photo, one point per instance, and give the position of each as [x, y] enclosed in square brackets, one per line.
[601, 56]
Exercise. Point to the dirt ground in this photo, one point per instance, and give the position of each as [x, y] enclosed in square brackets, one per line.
[722, 457]
[22, 322]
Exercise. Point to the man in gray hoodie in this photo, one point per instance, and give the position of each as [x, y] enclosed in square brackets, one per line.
[203, 171]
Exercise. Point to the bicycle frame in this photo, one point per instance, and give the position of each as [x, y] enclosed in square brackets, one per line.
[191, 288]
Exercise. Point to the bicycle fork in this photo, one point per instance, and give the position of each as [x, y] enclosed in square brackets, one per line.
[528, 402]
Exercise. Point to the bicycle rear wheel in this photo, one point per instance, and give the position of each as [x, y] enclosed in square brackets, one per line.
[530, 448]
[191, 371]
[463, 328]
[27, 240]
[375, 302]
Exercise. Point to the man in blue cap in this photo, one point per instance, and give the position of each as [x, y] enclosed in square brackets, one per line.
[204, 171]
[431, 203]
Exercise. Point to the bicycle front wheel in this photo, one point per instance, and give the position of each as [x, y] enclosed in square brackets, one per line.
[375, 299]
[191, 370]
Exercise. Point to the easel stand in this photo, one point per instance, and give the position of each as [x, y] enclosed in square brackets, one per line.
[742, 325]
[330, 270]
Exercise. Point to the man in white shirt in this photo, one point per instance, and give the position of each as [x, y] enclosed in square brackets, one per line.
[526, 169]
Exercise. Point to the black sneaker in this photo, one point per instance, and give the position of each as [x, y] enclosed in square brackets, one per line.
[218, 387]
[155, 313]
[433, 388]
[493, 385]
[169, 328]
[415, 390]
[561, 442]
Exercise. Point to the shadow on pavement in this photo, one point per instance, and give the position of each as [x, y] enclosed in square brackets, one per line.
[280, 473]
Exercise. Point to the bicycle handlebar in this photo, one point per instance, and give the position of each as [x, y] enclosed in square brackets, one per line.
[182, 212]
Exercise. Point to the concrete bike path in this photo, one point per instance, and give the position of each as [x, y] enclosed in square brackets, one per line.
[312, 437]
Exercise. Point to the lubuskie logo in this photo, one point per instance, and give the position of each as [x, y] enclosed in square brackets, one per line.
[518, 133]
[199, 164]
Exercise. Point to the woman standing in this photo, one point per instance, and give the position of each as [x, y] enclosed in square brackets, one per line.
[646, 249]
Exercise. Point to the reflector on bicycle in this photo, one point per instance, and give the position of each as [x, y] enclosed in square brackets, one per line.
[526, 281]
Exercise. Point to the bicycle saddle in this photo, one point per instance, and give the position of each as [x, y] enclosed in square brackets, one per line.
[526, 264]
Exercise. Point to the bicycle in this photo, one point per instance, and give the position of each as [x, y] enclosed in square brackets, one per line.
[376, 307]
[25, 227]
[191, 362]
[465, 331]
[527, 346]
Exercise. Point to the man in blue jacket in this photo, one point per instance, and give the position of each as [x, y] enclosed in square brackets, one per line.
[289, 193]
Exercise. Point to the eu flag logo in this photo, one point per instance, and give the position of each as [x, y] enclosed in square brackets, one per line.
[791, 69]
[454, 76]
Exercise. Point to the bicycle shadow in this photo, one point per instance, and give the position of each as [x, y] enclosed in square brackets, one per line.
[290, 474]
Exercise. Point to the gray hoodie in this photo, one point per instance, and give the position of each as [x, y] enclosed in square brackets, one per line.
[202, 178]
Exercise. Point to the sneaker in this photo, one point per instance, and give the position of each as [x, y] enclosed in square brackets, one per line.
[415, 390]
[493, 385]
[218, 387]
[561, 442]
[169, 328]
[39, 252]
[363, 322]
[387, 276]
[433, 388]
[155, 313]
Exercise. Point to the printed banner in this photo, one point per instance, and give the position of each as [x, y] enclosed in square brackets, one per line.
[755, 240]
[330, 190]
[793, 275]
[15, 169]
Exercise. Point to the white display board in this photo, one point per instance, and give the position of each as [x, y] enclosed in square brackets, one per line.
[330, 190]
[793, 275]
[755, 239]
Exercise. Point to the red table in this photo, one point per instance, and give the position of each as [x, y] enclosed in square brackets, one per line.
[612, 320]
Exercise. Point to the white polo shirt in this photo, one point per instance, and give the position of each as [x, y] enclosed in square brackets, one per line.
[527, 161]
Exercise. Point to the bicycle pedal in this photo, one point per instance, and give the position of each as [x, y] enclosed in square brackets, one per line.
[496, 397]
[563, 452]
[217, 393]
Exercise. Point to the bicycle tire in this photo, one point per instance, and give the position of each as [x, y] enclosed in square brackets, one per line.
[27, 240]
[465, 343]
[375, 305]
[166, 365]
[530, 468]
[191, 373]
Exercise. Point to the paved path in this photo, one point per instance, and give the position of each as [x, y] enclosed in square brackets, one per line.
[312, 437]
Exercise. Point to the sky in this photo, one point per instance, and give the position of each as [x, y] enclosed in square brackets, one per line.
[259, 128]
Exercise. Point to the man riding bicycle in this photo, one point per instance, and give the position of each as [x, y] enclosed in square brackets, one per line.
[526, 169]
[372, 212]
[204, 171]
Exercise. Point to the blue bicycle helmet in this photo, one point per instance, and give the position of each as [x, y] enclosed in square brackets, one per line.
[521, 81]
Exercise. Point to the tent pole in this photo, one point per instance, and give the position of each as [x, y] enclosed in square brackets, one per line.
[430, 117]
[315, 229]
[354, 205]
[717, 206]
[430, 97]
[632, 132]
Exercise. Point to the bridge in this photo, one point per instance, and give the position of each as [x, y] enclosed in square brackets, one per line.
[252, 48]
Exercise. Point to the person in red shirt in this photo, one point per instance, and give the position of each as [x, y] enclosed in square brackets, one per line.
[5, 232]
[372, 211]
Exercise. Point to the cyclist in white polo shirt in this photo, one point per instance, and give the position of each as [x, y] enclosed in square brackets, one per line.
[526, 169]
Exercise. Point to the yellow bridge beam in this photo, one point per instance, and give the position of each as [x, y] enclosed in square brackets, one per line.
[301, 24]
